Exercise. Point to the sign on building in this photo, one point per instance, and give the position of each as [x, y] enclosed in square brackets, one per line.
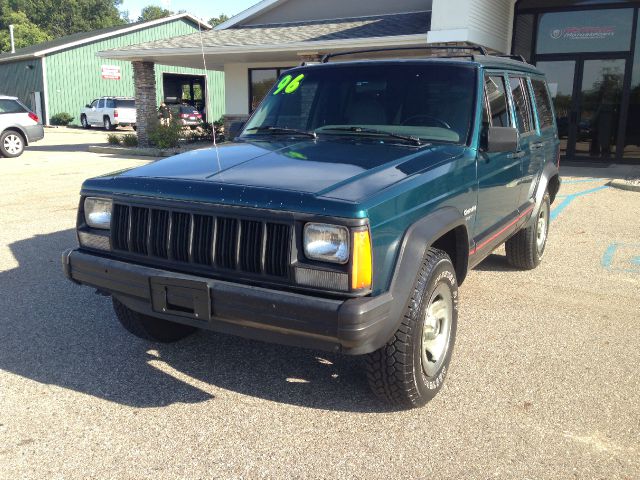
[111, 72]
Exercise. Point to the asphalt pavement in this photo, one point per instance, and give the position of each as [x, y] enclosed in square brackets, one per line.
[544, 381]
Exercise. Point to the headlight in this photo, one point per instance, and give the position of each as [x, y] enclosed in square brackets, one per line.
[327, 243]
[97, 212]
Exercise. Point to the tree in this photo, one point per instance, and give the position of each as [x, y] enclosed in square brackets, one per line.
[25, 32]
[65, 17]
[218, 20]
[153, 12]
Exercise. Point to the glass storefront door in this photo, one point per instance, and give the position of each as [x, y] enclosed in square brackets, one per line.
[561, 78]
[590, 52]
[598, 111]
[587, 95]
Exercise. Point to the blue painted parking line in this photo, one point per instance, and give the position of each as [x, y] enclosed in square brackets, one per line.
[570, 198]
[622, 257]
[585, 180]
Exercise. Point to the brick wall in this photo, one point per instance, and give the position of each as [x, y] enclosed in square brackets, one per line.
[144, 78]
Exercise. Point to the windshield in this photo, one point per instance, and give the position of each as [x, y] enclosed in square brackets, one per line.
[429, 102]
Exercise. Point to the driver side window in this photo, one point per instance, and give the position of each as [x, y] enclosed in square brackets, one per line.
[94, 104]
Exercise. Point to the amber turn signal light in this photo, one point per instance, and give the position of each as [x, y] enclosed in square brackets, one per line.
[362, 269]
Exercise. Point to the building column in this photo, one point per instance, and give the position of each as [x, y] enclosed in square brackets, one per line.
[144, 79]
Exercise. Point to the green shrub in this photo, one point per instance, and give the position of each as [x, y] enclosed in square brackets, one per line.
[113, 139]
[129, 140]
[205, 132]
[63, 119]
[166, 136]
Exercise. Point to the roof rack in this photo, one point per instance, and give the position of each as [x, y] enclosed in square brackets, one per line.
[482, 50]
[519, 58]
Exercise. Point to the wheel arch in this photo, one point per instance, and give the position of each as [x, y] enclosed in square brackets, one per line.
[19, 130]
[444, 229]
[549, 179]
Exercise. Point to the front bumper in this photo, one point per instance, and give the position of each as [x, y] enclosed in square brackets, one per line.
[354, 326]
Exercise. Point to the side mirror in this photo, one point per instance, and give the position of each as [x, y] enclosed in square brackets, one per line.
[235, 128]
[502, 139]
[88, 106]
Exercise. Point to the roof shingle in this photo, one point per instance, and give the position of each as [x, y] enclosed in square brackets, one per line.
[312, 31]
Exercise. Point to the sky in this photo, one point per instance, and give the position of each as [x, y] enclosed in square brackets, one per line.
[205, 10]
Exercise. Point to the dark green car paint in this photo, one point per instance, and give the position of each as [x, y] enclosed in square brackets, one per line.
[392, 184]
[410, 195]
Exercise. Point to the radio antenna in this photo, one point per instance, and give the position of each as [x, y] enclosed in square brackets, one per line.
[204, 66]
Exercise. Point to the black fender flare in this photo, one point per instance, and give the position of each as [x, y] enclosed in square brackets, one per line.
[549, 172]
[417, 239]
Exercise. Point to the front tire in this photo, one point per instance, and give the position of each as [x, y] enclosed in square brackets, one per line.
[11, 144]
[85, 123]
[411, 368]
[526, 248]
[150, 328]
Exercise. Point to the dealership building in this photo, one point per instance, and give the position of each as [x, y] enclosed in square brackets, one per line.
[589, 49]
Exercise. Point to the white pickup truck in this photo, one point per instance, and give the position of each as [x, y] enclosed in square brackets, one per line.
[109, 112]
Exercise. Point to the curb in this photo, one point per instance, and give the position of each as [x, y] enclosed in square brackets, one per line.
[78, 130]
[623, 185]
[135, 152]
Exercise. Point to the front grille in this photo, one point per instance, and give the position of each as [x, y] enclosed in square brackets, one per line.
[216, 242]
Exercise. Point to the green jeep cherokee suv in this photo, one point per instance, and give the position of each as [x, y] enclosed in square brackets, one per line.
[344, 216]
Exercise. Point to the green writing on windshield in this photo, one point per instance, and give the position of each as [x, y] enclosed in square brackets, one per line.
[288, 84]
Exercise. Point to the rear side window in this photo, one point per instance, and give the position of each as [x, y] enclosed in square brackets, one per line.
[125, 104]
[543, 103]
[497, 106]
[522, 109]
[111, 103]
[11, 106]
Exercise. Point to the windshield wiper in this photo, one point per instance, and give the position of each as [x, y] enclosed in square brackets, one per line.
[283, 131]
[374, 131]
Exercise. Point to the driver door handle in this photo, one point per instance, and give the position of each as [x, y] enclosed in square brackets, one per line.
[537, 146]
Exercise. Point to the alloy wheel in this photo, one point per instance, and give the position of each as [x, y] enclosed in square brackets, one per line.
[436, 330]
[543, 229]
[13, 144]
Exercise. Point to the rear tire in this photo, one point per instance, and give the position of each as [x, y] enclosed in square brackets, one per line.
[107, 124]
[526, 248]
[411, 368]
[85, 123]
[11, 144]
[150, 328]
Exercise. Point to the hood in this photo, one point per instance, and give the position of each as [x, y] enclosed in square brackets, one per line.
[346, 171]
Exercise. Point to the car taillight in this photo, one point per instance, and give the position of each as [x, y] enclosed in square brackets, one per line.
[34, 117]
[115, 113]
[184, 115]
[199, 115]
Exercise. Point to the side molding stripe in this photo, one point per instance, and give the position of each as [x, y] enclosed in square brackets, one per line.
[496, 235]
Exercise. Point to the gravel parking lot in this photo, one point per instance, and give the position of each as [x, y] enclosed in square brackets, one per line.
[544, 381]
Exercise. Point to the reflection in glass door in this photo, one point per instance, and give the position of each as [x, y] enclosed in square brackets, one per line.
[587, 96]
[560, 76]
[600, 100]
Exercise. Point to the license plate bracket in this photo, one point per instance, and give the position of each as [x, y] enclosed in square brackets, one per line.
[185, 298]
